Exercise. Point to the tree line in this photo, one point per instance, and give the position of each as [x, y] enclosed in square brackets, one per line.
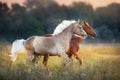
[38, 17]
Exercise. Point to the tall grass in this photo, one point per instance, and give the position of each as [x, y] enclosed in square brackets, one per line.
[100, 62]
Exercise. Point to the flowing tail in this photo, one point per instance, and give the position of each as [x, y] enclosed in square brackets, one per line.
[17, 47]
[13, 57]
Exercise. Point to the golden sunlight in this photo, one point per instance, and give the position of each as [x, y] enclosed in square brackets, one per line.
[95, 3]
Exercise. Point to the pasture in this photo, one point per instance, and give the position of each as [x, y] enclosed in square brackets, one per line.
[100, 62]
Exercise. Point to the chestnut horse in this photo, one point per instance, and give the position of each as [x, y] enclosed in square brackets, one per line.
[75, 41]
[57, 44]
[74, 45]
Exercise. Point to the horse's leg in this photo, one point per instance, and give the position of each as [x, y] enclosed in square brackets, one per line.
[45, 60]
[29, 56]
[78, 58]
[70, 56]
[65, 56]
[34, 60]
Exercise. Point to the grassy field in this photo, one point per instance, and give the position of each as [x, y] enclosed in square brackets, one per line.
[100, 62]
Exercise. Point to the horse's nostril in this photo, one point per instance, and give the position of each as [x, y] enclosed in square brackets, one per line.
[94, 34]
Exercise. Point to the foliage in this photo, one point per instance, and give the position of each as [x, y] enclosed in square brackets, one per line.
[39, 17]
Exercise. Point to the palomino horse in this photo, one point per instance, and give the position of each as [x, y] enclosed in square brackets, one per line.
[75, 42]
[57, 44]
[18, 47]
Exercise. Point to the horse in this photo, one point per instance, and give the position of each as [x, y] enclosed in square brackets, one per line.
[18, 47]
[57, 44]
[74, 43]
[73, 49]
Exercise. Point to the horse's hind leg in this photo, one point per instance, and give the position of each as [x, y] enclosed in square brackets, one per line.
[34, 60]
[29, 56]
[45, 60]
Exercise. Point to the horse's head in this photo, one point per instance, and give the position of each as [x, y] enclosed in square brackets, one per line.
[78, 30]
[88, 29]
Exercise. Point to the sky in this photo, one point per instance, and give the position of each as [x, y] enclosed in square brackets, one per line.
[95, 3]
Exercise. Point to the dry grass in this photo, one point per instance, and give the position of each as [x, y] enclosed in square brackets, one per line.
[100, 62]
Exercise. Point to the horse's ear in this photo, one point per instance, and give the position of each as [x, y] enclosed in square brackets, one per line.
[84, 22]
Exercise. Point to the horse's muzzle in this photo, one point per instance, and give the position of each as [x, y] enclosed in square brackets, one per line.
[93, 35]
[84, 36]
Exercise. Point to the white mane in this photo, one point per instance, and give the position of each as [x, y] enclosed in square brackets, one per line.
[63, 25]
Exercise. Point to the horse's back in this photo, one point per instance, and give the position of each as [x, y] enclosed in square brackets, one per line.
[48, 35]
[42, 44]
[38, 43]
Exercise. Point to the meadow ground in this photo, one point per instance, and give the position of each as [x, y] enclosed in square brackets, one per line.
[100, 62]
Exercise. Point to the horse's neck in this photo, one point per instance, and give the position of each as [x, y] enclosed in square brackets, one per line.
[76, 38]
[66, 35]
[79, 39]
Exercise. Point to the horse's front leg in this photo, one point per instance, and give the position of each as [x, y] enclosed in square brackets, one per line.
[45, 60]
[65, 56]
[68, 59]
[70, 56]
[78, 58]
